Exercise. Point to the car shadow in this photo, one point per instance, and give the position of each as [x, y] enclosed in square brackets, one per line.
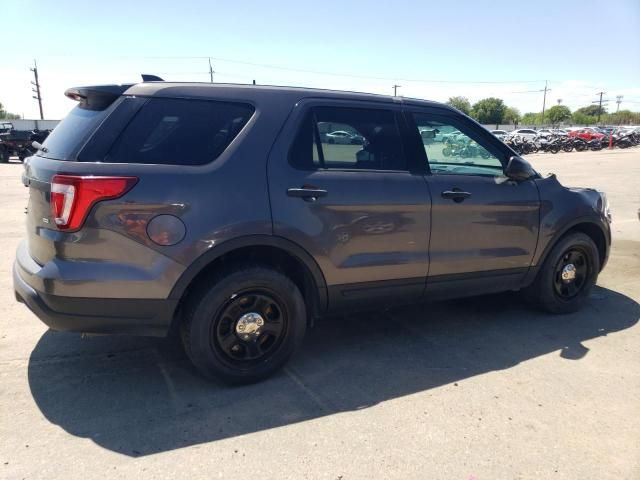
[140, 396]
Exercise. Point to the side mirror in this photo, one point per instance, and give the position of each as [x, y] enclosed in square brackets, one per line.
[519, 169]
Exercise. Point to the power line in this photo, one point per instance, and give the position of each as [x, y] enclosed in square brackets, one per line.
[328, 73]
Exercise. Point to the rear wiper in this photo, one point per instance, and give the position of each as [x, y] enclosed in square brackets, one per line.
[38, 146]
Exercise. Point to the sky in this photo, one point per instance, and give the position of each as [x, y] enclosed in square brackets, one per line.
[433, 50]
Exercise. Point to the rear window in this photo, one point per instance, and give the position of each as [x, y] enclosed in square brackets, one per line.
[180, 132]
[70, 134]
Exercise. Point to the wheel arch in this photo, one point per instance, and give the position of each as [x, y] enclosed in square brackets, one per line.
[271, 250]
[592, 227]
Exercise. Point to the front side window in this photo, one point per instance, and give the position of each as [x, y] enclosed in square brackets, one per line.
[348, 138]
[179, 132]
[453, 150]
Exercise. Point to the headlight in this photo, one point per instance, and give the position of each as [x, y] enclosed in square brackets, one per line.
[603, 204]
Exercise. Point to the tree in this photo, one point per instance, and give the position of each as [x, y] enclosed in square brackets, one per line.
[586, 115]
[558, 113]
[531, 118]
[592, 110]
[511, 115]
[6, 115]
[489, 110]
[461, 103]
[623, 117]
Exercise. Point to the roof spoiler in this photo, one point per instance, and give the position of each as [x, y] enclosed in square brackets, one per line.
[100, 97]
[97, 97]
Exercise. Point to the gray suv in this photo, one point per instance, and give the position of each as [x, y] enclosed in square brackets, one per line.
[225, 213]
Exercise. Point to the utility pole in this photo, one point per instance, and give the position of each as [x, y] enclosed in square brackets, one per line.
[395, 90]
[36, 90]
[559, 101]
[211, 72]
[618, 101]
[600, 104]
[544, 100]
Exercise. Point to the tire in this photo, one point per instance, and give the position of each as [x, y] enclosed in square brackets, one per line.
[211, 327]
[4, 155]
[549, 291]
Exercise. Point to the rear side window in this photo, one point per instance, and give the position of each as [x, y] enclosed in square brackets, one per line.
[348, 138]
[180, 132]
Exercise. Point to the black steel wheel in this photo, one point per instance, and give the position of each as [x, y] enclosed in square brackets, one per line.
[243, 324]
[567, 275]
[250, 326]
[571, 273]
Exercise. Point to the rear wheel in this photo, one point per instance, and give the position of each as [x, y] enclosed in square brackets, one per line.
[245, 325]
[567, 275]
[4, 155]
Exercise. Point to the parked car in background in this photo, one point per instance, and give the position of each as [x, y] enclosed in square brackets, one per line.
[450, 136]
[341, 137]
[501, 134]
[586, 133]
[6, 127]
[525, 132]
[545, 132]
[221, 213]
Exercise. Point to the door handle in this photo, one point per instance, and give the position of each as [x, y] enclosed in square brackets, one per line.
[456, 195]
[310, 194]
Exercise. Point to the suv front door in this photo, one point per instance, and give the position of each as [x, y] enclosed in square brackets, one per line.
[484, 227]
[355, 207]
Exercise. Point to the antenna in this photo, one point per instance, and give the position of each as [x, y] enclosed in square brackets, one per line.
[211, 72]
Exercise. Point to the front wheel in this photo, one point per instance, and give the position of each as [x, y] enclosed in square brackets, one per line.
[4, 155]
[567, 275]
[243, 326]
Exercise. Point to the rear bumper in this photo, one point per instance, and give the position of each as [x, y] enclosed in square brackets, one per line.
[151, 317]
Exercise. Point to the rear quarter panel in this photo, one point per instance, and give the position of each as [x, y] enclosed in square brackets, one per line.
[222, 200]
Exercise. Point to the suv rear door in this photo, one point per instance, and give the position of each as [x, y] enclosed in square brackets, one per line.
[356, 208]
[484, 226]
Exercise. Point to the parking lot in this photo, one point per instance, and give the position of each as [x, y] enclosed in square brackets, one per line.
[484, 388]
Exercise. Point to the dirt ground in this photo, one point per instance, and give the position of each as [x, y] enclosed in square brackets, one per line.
[484, 388]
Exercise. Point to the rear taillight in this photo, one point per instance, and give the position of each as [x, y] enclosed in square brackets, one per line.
[73, 196]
